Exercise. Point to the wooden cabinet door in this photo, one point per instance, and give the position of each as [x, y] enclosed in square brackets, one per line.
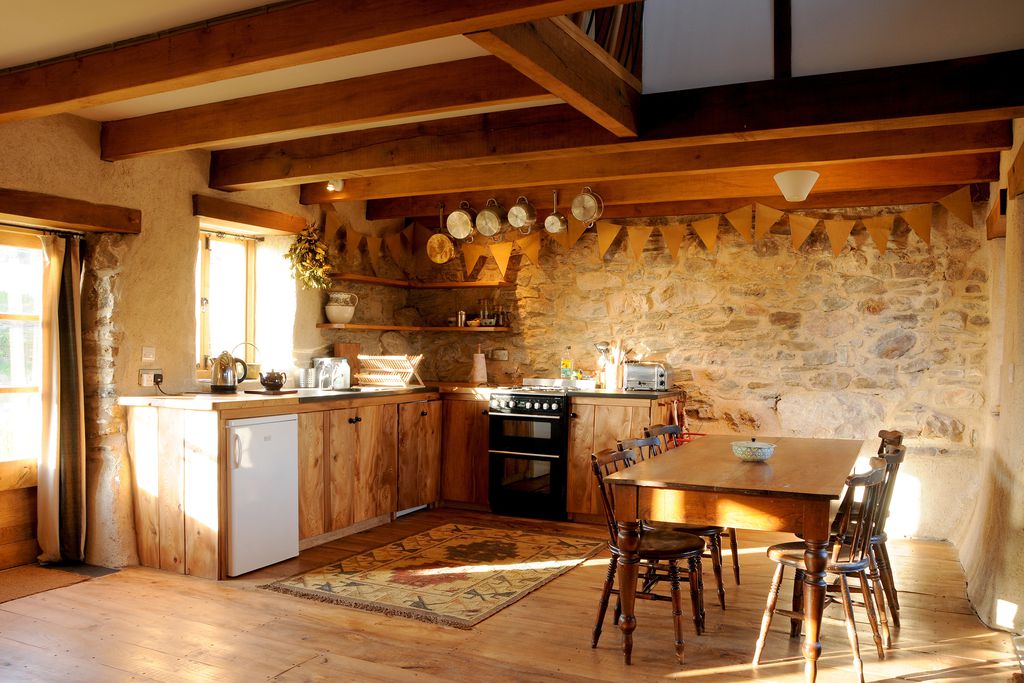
[464, 451]
[419, 453]
[341, 468]
[312, 447]
[580, 497]
[376, 465]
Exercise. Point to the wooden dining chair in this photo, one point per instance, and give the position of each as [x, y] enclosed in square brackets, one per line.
[849, 555]
[892, 450]
[656, 546]
[672, 436]
[649, 447]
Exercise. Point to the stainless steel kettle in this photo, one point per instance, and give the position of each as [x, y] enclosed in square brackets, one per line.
[223, 379]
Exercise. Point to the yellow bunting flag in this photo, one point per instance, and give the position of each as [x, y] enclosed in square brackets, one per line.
[800, 228]
[395, 246]
[707, 230]
[530, 246]
[764, 218]
[373, 248]
[352, 241]
[673, 235]
[638, 237]
[606, 234]
[742, 220]
[838, 232]
[422, 234]
[959, 204]
[501, 251]
[575, 232]
[920, 220]
[473, 252]
[410, 236]
[879, 227]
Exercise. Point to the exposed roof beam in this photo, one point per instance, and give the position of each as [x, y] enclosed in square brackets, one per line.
[1015, 175]
[916, 94]
[244, 218]
[50, 211]
[937, 93]
[420, 91]
[546, 52]
[281, 37]
[527, 133]
[858, 175]
[587, 169]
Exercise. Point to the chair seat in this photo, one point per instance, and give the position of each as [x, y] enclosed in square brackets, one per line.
[668, 545]
[695, 529]
[792, 555]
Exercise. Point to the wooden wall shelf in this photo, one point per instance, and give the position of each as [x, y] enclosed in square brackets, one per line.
[408, 328]
[410, 284]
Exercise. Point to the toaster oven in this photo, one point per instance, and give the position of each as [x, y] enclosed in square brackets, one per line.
[644, 376]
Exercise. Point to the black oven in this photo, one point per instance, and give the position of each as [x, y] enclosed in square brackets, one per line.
[528, 454]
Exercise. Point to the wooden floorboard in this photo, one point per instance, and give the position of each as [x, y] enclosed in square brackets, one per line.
[144, 624]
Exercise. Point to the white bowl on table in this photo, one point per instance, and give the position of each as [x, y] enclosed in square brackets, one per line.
[753, 450]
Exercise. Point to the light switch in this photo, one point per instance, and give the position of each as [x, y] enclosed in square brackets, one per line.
[148, 354]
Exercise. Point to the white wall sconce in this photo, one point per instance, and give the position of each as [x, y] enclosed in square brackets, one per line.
[796, 185]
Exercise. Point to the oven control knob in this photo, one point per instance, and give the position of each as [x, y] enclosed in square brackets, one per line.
[494, 403]
[554, 406]
[536, 406]
[544, 406]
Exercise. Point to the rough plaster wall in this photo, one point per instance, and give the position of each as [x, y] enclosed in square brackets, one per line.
[138, 289]
[992, 542]
[770, 341]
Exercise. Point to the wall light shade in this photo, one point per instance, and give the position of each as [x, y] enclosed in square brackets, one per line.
[796, 185]
[336, 185]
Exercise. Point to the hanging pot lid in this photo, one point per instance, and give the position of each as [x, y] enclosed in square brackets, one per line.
[555, 222]
[491, 219]
[440, 248]
[587, 207]
[460, 222]
[522, 215]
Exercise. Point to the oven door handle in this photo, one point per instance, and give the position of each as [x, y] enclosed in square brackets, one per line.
[545, 456]
[539, 417]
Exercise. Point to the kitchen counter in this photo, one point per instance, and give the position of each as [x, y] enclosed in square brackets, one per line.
[465, 388]
[240, 400]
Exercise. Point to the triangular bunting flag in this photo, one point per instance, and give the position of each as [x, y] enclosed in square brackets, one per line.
[530, 245]
[673, 235]
[373, 248]
[800, 228]
[741, 219]
[562, 238]
[638, 236]
[395, 246]
[606, 234]
[920, 220]
[352, 241]
[422, 234]
[959, 204]
[838, 233]
[501, 251]
[764, 218]
[410, 236]
[472, 252]
[707, 230]
[880, 227]
[575, 232]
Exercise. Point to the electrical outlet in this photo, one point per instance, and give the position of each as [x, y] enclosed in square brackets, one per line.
[148, 354]
[146, 376]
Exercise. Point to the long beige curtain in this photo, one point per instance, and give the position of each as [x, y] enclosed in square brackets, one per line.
[61, 497]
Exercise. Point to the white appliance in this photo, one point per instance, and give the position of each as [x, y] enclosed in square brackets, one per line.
[263, 490]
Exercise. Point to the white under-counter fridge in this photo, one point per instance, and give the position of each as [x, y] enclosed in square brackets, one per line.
[263, 492]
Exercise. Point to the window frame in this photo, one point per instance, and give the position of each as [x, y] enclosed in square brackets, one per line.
[206, 236]
[17, 239]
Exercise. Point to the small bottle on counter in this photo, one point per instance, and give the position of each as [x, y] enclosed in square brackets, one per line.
[567, 364]
[461, 320]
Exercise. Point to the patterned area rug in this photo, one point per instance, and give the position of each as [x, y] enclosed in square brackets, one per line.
[454, 574]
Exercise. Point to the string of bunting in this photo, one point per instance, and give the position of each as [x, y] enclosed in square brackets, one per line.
[752, 222]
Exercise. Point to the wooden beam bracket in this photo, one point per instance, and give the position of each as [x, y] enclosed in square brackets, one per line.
[250, 220]
[35, 209]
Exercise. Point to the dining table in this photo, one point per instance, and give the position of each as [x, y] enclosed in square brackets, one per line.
[703, 482]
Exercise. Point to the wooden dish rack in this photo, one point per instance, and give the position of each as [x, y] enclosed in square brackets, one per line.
[389, 371]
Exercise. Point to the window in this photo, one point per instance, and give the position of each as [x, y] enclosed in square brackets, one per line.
[225, 297]
[21, 285]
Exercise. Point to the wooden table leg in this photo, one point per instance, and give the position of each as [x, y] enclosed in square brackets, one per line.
[629, 566]
[815, 558]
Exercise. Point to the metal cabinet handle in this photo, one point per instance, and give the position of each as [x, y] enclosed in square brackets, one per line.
[423, 413]
[359, 419]
[353, 420]
[485, 412]
[238, 451]
[573, 415]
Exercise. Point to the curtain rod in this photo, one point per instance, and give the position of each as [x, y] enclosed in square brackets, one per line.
[59, 232]
[219, 233]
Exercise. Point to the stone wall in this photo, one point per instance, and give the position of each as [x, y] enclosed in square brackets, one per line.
[767, 340]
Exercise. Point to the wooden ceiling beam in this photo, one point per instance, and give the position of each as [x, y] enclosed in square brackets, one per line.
[243, 218]
[1015, 175]
[465, 140]
[551, 56]
[815, 152]
[285, 36]
[858, 175]
[770, 110]
[421, 91]
[50, 211]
